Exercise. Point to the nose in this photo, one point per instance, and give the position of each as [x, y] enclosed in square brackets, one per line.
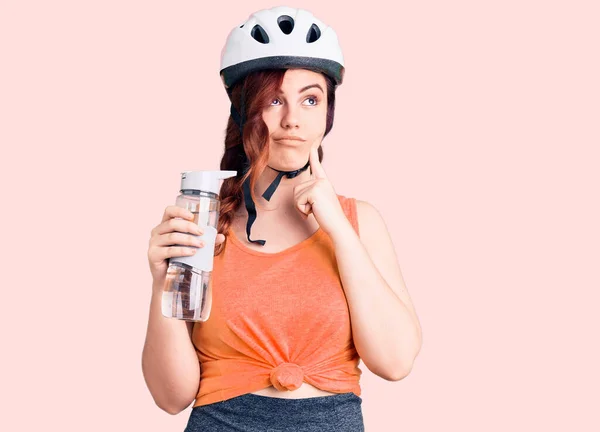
[290, 118]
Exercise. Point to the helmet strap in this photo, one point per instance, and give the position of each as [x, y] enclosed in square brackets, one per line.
[240, 120]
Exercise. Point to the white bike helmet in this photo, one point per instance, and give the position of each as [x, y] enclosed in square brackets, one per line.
[277, 38]
[281, 37]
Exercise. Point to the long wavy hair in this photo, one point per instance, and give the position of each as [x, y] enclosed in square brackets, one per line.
[260, 88]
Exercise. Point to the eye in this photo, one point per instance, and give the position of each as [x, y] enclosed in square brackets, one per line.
[314, 98]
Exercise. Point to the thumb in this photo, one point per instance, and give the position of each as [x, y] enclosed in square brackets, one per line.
[220, 238]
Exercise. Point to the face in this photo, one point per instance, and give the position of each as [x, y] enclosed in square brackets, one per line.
[298, 112]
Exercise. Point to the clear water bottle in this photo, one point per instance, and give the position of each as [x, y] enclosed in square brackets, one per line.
[186, 294]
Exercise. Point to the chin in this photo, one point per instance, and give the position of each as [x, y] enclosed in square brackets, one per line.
[288, 156]
[288, 163]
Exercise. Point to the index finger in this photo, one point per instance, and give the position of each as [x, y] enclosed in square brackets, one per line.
[176, 211]
[315, 166]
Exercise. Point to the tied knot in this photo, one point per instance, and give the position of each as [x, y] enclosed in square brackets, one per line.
[287, 376]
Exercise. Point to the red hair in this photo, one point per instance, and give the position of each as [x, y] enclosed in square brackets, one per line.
[260, 88]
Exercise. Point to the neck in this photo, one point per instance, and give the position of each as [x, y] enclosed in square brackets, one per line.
[283, 198]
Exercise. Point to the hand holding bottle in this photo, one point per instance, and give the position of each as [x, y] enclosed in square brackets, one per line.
[177, 235]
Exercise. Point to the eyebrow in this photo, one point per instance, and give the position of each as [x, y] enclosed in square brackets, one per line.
[306, 88]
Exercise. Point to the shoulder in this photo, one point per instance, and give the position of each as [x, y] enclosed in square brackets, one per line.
[366, 210]
[369, 219]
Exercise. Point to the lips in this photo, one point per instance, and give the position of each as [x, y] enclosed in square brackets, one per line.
[289, 138]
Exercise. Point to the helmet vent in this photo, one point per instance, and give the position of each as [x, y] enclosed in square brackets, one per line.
[313, 34]
[286, 23]
[259, 34]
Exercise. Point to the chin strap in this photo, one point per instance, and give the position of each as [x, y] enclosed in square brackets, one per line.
[250, 206]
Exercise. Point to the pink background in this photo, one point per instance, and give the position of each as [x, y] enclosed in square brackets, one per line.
[472, 126]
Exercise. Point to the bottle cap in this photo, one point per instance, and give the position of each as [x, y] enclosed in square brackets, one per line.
[207, 181]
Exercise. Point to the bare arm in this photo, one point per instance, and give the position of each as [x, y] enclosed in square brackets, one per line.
[385, 327]
[169, 361]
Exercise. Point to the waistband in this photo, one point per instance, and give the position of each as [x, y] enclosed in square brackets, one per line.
[251, 412]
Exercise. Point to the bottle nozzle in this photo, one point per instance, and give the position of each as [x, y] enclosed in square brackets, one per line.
[208, 181]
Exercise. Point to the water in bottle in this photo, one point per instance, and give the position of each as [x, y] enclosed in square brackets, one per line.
[186, 294]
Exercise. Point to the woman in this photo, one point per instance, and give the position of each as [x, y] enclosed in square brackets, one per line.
[295, 308]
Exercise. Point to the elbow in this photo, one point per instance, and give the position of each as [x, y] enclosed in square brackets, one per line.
[401, 370]
[399, 374]
[392, 370]
[169, 397]
[405, 367]
[167, 409]
[178, 405]
[391, 373]
[172, 409]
